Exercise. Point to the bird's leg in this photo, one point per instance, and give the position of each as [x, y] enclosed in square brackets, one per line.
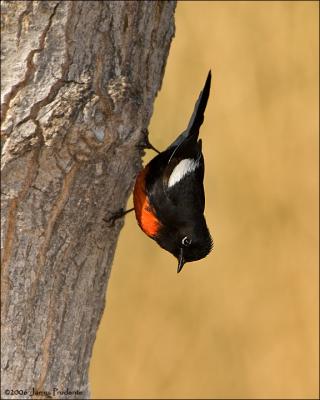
[118, 214]
[146, 144]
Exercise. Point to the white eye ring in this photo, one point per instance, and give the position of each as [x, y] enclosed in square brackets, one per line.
[186, 241]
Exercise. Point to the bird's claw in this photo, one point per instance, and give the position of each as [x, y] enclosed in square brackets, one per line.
[145, 144]
[114, 217]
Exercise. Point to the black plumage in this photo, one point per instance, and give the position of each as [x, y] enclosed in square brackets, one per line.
[179, 207]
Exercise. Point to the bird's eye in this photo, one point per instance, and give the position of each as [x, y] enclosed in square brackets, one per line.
[186, 241]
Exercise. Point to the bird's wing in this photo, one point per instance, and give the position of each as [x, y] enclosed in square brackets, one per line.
[183, 179]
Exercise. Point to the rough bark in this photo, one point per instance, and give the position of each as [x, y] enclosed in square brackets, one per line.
[78, 84]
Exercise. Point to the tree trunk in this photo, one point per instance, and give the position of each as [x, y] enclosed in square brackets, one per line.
[78, 83]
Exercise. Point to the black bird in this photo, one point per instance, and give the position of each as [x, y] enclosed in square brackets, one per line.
[169, 197]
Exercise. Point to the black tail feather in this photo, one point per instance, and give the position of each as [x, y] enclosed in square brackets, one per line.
[196, 120]
[198, 114]
[189, 138]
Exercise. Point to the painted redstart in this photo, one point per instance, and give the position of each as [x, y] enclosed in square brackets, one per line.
[169, 196]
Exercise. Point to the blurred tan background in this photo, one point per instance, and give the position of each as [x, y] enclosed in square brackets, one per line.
[243, 323]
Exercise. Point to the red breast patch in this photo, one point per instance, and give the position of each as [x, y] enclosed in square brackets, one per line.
[146, 218]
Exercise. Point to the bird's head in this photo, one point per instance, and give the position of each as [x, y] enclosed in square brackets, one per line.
[189, 242]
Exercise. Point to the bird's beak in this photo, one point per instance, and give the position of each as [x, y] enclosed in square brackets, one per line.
[181, 261]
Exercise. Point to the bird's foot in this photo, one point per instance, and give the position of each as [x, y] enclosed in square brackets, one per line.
[116, 215]
[145, 144]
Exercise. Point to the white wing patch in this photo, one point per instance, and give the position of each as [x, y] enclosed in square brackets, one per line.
[184, 168]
